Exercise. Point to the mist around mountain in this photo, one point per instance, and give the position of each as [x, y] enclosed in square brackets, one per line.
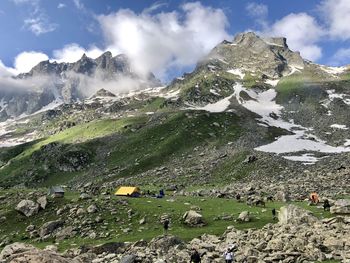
[50, 84]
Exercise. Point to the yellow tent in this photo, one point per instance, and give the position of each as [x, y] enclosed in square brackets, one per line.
[128, 191]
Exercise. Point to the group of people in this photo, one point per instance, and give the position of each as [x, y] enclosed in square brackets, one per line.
[228, 255]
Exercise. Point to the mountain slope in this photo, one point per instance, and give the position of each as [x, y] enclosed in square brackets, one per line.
[252, 96]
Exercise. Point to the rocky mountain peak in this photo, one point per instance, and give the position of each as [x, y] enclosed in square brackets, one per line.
[103, 93]
[248, 51]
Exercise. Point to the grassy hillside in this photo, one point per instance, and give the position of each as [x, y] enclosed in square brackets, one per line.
[218, 214]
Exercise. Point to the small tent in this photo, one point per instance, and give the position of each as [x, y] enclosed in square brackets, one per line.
[56, 191]
[131, 191]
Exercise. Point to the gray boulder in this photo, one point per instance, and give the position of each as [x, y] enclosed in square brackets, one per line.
[92, 209]
[193, 218]
[67, 232]
[164, 243]
[49, 227]
[244, 216]
[282, 196]
[42, 201]
[128, 259]
[341, 206]
[27, 208]
[292, 214]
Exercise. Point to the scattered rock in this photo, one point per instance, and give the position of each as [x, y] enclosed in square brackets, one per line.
[92, 209]
[28, 208]
[49, 227]
[250, 159]
[341, 206]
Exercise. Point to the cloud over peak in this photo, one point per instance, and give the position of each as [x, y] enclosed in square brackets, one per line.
[159, 42]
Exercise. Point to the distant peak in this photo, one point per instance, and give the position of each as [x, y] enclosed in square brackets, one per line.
[106, 54]
[104, 93]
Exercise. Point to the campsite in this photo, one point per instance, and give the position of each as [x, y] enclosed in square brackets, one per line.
[122, 218]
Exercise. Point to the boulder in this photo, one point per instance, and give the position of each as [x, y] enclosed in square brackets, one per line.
[49, 227]
[164, 243]
[341, 206]
[27, 208]
[282, 196]
[244, 216]
[42, 201]
[67, 232]
[84, 196]
[128, 259]
[292, 214]
[193, 218]
[250, 159]
[92, 209]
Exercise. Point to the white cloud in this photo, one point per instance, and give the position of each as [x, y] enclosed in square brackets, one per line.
[302, 32]
[37, 20]
[73, 52]
[25, 61]
[79, 4]
[337, 17]
[61, 5]
[154, 7]
[341, 57]
[39, 25]
[257, 10]
[158, 42]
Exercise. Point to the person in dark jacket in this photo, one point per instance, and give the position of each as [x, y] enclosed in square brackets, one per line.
[326, 205]
[195, 257]
[166, 226]
[273, 213]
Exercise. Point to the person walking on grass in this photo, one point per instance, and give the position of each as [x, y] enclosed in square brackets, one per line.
[274, 214]
[228, 255]
[166, 226]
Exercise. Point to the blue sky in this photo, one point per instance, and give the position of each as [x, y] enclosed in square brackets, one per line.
[166, 37]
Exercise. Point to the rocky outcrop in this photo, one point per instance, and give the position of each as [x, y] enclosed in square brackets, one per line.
[18, 252]
[27, 208]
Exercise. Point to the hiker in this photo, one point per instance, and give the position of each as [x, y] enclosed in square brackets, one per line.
[273, 213]
[166, 226]
[238, 197]
[195, 257]
[326, 205]
[228, 255]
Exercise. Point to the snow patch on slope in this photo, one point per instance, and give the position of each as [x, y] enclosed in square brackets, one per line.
[237, 72]
[264, 104]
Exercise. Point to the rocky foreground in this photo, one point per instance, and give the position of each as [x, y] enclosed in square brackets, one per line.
[297, 237]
